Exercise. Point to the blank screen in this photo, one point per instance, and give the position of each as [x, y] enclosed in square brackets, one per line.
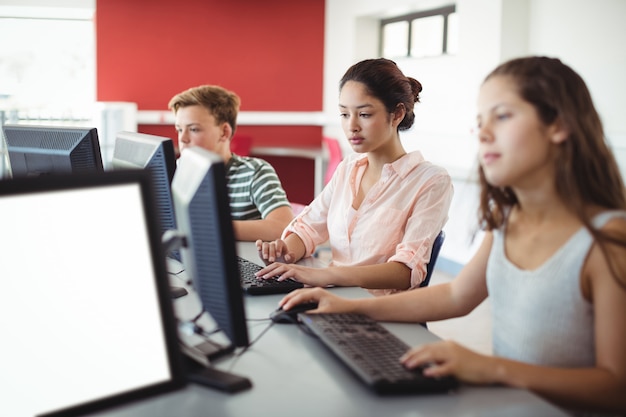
[80, 315]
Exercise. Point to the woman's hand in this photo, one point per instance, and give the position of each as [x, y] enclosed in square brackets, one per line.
[314, 277]
[449, 358]
[327, 302]
[275, 251]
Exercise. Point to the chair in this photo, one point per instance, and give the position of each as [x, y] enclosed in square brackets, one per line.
[241, 144]
[434, 254]
[335, 155]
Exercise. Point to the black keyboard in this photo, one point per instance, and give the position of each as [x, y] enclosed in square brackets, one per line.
[372, 353]
[258, 286]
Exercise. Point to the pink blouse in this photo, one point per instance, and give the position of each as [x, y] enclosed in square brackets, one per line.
[398, 220]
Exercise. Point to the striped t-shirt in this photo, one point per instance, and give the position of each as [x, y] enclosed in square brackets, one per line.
[253, 187]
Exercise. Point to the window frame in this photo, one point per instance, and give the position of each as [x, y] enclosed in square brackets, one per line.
[444, 11]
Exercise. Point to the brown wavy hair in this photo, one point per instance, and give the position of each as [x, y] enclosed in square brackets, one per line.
[586, 170]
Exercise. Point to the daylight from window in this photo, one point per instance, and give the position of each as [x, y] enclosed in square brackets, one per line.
[427, 36]
[421, 35]
[395, 39]
[47, 68]
[47, 72]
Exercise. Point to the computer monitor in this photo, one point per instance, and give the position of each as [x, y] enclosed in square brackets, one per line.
[87, 317]
[155, 154]
[43, 150]
[203, 218]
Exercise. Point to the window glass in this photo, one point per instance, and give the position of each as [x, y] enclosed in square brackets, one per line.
[47, 72]
[395, 39]
[427, 36]
[47, 69]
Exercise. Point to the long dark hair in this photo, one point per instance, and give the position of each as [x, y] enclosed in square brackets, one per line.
[586, 170]
[385, 81]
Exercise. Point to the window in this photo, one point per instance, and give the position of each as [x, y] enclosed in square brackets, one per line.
[47, 66]
[398, 31]
[422, 34]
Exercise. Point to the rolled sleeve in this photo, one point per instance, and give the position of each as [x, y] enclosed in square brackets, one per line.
[428, 218]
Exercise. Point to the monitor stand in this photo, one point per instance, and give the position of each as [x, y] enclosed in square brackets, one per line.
[214, 378]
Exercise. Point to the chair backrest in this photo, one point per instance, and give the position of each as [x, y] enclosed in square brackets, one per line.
[241, 144]
[433, 258]
[335, 155]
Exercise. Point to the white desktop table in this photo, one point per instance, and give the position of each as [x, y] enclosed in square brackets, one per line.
[294, 375]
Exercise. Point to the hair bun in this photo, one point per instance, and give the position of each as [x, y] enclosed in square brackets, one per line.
[416, 88]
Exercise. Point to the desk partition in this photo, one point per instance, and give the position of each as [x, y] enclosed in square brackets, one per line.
[293, 374]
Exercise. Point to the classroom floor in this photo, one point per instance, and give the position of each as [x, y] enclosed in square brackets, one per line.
[472, 331]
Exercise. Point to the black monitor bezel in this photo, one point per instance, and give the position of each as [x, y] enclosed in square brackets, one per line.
[177, 368]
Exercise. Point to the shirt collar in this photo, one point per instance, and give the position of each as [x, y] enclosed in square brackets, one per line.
[407, 163]
[402, 166]
[233, 158]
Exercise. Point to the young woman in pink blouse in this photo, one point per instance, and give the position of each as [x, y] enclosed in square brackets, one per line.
[383, 207]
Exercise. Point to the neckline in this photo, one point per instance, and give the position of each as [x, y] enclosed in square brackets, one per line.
[550, 260]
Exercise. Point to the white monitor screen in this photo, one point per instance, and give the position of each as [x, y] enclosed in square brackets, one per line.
[82, 315]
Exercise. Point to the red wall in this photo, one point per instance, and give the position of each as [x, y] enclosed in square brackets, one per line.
[269, 52]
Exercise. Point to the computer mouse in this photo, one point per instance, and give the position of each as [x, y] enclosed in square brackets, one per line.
[291, 316]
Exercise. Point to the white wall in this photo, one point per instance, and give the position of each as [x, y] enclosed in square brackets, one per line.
[585, 35]
[79, 9]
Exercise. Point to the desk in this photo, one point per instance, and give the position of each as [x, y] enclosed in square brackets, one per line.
[294, 375]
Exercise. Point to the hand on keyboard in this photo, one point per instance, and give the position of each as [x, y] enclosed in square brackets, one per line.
[311, 276]
[448, 358]
[251, 284]
[276, 251]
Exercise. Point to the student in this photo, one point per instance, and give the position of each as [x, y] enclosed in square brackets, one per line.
[206, 116]
[383, 208]
[553, 258]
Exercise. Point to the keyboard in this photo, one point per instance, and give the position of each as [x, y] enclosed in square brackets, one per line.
[257, 286]
[372, 353]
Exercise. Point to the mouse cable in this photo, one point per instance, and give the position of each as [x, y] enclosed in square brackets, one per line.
[177, 275]
[245, 348]
[256, 338]
[197, 317]
[190, 327]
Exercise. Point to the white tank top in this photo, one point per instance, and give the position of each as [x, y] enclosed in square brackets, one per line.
[541, 316]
